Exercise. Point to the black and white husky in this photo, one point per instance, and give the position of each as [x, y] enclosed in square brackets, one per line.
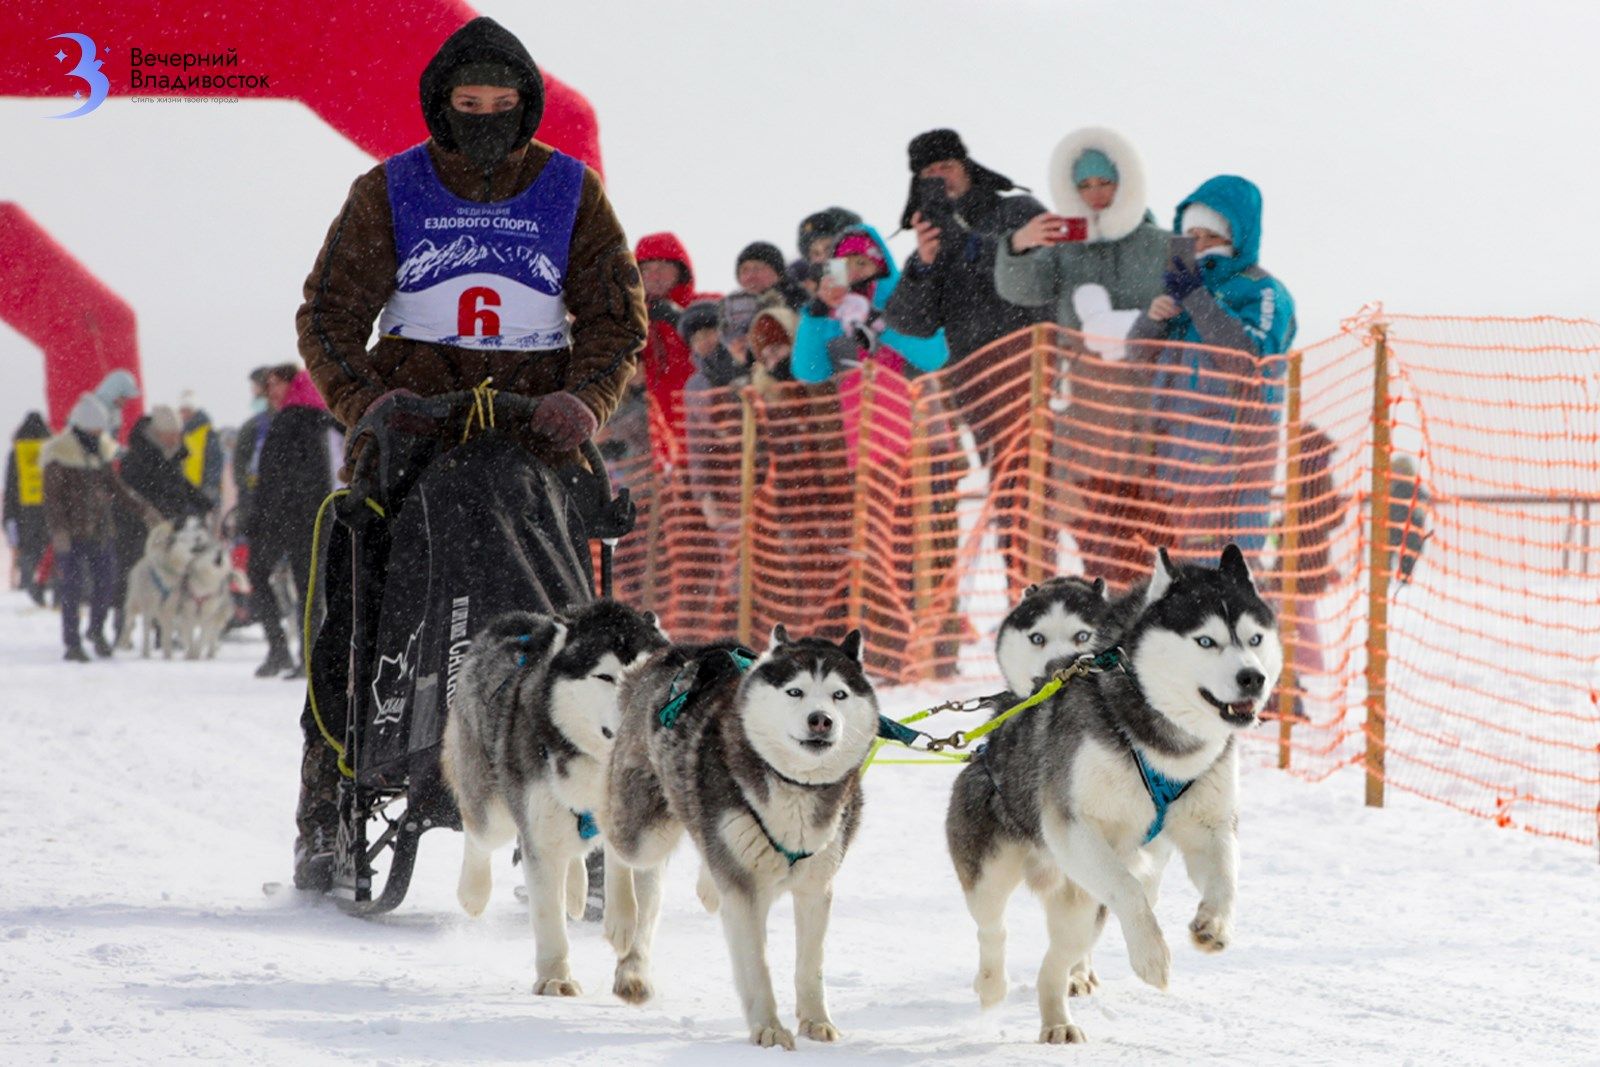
[525, 749]
[1068, 795]
[760, 762]
[1053, 619]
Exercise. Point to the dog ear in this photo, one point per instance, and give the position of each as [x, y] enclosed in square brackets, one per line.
[1235, 566]
[1028, 592]
[650, 619]
[1160, 578]
[852, 645]
[780, 636]
[1100, 588]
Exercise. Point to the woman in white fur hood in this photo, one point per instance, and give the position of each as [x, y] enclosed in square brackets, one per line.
[1098, 184]
[1098, 286]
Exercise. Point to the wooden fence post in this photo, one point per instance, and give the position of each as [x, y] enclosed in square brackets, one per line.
[1378, 567]
[926, 627]
[859, 489]
[747, 495]
[1289, 562]
[1038, 551]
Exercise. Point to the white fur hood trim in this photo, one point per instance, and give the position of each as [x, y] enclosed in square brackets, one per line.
[1127, 210]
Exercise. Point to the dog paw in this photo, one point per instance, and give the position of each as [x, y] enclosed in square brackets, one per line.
[772, 1036]
[632, 987]
[1210, 933]
[557, 987]
[1064, 1034]
[990, 985]
[1082, 983]
[1148, 952]
[819, 1030]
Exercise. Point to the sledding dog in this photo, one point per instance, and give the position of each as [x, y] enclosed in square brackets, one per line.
[205, 601]
[155, 583]
[1056, 618]
[758, 759]
[1068, 795]
[524, 752]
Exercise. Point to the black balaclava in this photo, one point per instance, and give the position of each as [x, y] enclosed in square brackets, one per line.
[486, 139]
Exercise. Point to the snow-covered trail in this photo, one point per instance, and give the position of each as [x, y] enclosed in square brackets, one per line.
[146, 803]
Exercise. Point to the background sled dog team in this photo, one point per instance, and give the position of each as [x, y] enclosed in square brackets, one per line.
[592, 724]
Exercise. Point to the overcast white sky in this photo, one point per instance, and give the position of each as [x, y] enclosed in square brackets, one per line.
[1437, 156]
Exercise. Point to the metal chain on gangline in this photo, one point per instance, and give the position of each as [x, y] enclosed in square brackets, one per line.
[899, 730]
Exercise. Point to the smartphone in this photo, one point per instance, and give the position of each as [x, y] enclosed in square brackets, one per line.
[1182, 248]
[1075, 229]
[839, 271]
[934, 202]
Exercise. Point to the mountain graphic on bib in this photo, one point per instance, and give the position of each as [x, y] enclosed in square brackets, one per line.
[427, 262]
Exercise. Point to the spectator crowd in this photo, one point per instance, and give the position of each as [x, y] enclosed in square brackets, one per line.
[989, 259]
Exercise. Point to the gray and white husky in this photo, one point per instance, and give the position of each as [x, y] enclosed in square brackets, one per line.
[525, 749]
[1064, 796]
[761, 766]
[1053, 619]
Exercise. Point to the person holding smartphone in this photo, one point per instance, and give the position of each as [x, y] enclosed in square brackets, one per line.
[1093, 264]
[1216, 408]
[958, 209]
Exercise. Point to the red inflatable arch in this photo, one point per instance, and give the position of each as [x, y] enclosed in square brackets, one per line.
[84, 329]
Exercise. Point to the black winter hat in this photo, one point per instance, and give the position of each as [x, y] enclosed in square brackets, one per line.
[936, 145]
[700, 315]
[829, 222]
[481, 41]
[761, 252]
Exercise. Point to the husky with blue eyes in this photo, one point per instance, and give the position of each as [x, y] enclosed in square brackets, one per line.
[531, 727]
[1083, 796]
[758, 759]
[1053, 619]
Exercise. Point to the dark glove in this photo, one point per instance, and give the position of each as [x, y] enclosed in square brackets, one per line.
[1181, 280]
[564, 420]
[389, 415]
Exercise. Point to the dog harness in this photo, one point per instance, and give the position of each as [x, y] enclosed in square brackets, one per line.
[712, 665]
[1164, 792]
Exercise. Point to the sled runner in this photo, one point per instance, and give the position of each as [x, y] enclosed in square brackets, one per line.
[438, 538]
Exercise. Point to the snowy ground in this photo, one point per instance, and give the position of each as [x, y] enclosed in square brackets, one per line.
[148, 802]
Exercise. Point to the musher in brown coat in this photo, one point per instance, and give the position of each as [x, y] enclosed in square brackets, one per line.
[480, 253]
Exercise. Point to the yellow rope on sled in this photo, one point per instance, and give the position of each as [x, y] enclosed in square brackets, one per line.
[482, 408]
[305, 633]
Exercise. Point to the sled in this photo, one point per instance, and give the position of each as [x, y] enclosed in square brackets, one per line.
[442, 538]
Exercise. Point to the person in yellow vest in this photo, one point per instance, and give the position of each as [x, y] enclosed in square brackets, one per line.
[203, 467]
[24, 502]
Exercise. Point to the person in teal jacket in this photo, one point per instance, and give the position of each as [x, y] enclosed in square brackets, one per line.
[813, 361]
[1215, 413]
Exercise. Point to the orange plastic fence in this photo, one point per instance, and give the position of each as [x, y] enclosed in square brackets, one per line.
[918, 511]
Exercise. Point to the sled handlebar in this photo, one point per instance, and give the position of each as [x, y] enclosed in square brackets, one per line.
[406, 431]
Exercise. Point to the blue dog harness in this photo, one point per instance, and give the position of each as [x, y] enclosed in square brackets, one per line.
[1164, 792]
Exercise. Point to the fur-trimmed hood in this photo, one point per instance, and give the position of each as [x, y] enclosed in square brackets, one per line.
[1128, 210]
[65, 449]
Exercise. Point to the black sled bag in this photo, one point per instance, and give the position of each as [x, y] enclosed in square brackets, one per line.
[486, 529]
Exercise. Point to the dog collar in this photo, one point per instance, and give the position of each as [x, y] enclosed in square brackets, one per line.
[789, 854]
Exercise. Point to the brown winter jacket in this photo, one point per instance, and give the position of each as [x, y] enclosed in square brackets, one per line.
[355, 273]
[82, 493]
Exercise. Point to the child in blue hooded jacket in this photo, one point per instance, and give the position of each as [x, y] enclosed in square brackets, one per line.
[818, 353]
[1215, 414]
